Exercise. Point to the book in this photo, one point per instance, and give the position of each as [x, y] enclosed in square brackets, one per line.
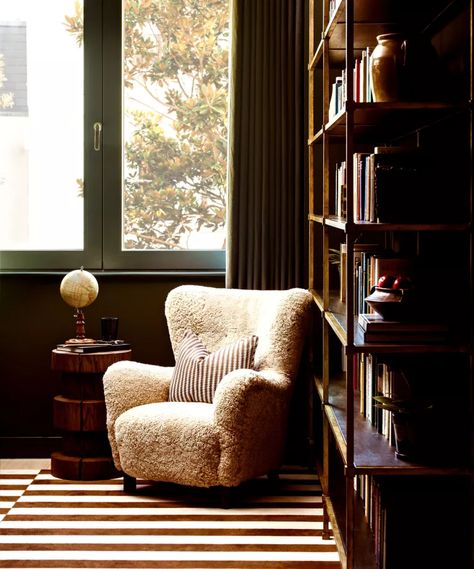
[400, 178]
[363, 268]
[356, 81]
[92, 348]
[374, 323]
[390, 177]
[359, 182]
[376, 329]
[405, 337]
[336, 101]
[340, 191]
[368, 77]
[362, 77]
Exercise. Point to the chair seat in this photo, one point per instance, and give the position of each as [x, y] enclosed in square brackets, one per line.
[181, 442]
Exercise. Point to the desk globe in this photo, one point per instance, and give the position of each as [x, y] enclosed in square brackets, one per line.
[79, 289]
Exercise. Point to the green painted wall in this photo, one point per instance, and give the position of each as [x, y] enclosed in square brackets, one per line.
[34, 318]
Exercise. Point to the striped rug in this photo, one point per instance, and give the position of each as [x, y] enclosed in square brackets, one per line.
[47, 522]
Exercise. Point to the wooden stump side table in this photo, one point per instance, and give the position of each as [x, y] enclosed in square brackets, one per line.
[79, 412]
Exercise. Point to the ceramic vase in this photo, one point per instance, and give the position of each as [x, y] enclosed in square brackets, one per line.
[387, 68]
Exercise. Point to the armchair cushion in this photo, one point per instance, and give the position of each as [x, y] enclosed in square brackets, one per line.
[170, 441]
[198, 372]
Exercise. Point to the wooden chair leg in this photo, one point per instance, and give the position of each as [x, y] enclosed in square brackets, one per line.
[273, 476]
[226, 496]
[129, 483]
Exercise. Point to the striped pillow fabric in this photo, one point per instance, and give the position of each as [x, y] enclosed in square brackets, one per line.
[197, 371]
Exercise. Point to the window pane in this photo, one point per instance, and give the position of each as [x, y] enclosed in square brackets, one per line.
[41, 125]
[175, 81]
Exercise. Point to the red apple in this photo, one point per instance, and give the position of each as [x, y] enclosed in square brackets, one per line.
[401, 282]
[386, 281]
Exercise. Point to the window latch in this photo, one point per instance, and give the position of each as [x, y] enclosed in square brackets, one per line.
[97, 136]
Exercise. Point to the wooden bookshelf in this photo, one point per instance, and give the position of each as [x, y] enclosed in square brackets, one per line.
[353, 449]
[372, 455]
[335, 315]
[396, 118]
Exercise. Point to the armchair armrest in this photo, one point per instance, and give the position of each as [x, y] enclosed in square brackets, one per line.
[129, 384]
[251, 410]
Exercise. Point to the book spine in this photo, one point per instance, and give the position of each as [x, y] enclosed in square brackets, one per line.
[369, 388]
[366, 190]
[356, 189]
[343, 90]
[371, 188]
[368, 78]
[362, 87]
[343, 190]
[356, 81]
[361, 177]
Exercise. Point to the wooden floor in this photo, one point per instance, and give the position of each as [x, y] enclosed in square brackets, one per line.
[47, 522]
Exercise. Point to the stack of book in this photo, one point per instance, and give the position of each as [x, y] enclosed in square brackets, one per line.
[396, 508]
[337, 102]
[372, 376]
[376, 329]
[101, 346]
[362, 83]
[364, 278]
[389, 178]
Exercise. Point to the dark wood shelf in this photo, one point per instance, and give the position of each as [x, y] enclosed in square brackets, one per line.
[316, 138]
[318, 298]
[372, 452]
[336, 317]
[317, 218]
[317, 57]
[364, 540]
[336, 221]
[383, 227]
[384, 347]
[358, 226]
[336, 125]
[373, 121]
[335, 513]
[337, 322]
[384, 16]
[336, 16]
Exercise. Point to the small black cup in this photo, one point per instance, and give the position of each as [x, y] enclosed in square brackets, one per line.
[109, 328]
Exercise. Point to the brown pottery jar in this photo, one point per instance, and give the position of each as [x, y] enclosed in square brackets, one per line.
[404, 69]
[386, 68]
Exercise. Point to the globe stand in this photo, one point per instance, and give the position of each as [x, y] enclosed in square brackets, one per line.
[80, 324]
[79, 289]
[80, 329]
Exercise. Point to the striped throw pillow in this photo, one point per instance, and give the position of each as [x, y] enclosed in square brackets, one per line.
[197, 372]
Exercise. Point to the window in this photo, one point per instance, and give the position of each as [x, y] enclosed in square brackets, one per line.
[41, 116]
[136, 177]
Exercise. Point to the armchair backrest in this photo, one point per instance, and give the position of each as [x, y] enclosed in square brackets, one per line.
[221, 316]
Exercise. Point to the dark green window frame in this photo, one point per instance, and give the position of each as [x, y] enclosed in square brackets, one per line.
[103, 170]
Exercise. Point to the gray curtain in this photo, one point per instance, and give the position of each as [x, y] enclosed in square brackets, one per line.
[266, 204]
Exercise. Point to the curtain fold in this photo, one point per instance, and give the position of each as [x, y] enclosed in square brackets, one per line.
[266, 204]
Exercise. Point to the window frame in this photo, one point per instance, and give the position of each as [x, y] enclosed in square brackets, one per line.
[103, 170]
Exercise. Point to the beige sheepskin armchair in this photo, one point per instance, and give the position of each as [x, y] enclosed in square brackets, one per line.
[241, 434]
